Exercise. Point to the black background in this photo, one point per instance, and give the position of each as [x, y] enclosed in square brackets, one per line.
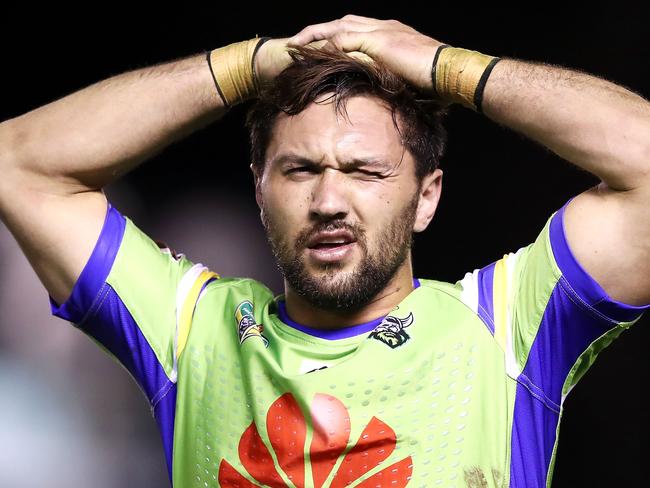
[499, 188]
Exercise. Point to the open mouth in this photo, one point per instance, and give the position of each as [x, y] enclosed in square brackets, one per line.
[331, 246]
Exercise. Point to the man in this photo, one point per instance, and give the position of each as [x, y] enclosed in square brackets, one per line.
[359, 372]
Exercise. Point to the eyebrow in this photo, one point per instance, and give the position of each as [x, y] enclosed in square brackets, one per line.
[292, 158]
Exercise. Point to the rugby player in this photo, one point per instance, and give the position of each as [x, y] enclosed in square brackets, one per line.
[359, 373]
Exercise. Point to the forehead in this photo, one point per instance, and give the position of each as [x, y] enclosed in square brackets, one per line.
[318, 132]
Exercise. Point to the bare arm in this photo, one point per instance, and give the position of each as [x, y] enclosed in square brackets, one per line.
[603, 128]
[87, 139]
[56, 159]
[595, 124]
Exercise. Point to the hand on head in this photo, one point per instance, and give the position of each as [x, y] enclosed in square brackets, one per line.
[400, 47]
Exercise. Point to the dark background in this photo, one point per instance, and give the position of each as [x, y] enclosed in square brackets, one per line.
[499, 188]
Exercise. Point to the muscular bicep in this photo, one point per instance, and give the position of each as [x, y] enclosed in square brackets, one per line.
[609, 234]
[56, 232]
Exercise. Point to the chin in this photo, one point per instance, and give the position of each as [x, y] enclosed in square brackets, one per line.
[332, 272]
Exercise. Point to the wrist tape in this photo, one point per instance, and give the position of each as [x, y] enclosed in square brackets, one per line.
[233, 70]
[459, 75]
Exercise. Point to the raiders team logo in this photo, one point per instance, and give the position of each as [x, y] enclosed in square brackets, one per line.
[391, 330]
[246, 324]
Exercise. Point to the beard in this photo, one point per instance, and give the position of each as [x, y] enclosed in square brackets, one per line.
[332, 288]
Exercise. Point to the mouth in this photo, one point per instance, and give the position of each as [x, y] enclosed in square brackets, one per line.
[333, 246]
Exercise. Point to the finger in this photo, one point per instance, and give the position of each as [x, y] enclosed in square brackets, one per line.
[361, 56]
[353, 41]
[361, 19]
[318, 44]
[313, 32]
[329, 45]
[326, 30]
[377, 23]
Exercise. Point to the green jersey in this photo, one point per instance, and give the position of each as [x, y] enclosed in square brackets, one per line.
[461, 384]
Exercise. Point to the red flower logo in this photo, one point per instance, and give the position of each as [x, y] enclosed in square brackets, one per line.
[287, 432]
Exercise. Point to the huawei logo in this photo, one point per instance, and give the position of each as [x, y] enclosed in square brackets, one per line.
[330, 425]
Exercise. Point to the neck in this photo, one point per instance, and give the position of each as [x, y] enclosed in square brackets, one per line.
[305, 313]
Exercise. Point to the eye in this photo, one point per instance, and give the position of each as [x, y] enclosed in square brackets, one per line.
[300, 170]
[366, 173]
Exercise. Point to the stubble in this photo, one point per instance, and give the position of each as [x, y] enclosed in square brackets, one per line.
[330, 288]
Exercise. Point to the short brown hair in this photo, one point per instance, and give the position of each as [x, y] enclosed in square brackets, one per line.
[316, 71]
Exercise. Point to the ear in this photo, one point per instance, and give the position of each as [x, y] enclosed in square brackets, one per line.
[430, 190]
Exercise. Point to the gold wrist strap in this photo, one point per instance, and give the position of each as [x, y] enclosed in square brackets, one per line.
[459, 75]
[233, 70]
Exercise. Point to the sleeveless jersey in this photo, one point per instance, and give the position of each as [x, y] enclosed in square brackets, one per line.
[461, 384]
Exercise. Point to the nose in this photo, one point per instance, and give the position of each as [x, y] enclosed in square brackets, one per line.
[328, 199]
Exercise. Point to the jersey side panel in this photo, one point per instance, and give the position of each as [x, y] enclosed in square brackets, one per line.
[556, 312]
[124, 300]
[146, 278]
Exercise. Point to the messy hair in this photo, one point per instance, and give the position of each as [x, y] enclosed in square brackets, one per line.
[316, 71]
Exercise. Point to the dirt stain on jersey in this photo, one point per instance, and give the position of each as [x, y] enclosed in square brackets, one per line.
[475, 478]
[497, 477]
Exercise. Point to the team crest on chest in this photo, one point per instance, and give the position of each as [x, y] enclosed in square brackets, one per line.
[246, 325]
[391, 330]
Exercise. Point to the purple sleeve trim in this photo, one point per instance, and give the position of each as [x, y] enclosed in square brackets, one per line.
[92, 278]
[113, 326]
[165, 414]
[533, 438]
[584, 285]
[486, 295]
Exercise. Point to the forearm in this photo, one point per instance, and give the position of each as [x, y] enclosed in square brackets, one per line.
[87, 139]
[601, 127]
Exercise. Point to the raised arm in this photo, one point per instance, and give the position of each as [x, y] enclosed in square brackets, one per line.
[601, 127]
[55, 160]
[605, 129]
